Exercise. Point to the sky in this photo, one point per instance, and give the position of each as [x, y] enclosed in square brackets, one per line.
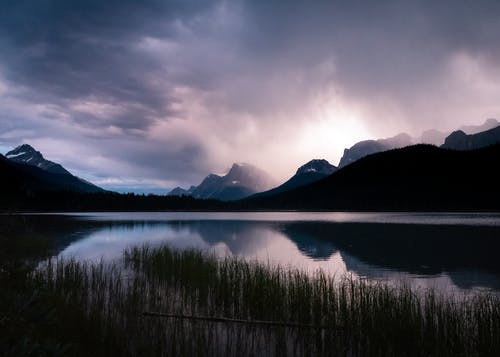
[147, 95]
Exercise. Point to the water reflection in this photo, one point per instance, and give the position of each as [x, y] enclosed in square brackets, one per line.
[428, 250]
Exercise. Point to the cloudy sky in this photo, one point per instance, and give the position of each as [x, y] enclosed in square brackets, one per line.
[151, 94]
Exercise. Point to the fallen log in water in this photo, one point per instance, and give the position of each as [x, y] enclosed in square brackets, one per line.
[241, 321]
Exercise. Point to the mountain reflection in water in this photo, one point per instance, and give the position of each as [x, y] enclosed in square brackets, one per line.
[448, 255]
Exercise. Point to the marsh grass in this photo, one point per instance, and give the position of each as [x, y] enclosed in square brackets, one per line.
[105, 302]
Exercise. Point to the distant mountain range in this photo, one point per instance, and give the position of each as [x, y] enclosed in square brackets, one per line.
[230, 188]
[436, 137]
[480, 136]
[419, 177]
[25, 169]
[241, 181]
[372, 175]
[433, 137]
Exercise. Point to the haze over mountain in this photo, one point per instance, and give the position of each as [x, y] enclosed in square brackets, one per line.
[489, 123]
[436, 137]
[367, 147]
[433, 136]
[312, 171]
[244, 180]
[241, 181]
[459, 140]
[420, 177]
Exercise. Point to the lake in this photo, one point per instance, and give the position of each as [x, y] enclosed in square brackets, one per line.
[448, 251]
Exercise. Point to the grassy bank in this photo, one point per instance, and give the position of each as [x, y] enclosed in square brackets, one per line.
[99, 309]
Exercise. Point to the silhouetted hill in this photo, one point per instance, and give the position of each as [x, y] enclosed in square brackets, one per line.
[310, 172]
[420, 177]
[458, 140]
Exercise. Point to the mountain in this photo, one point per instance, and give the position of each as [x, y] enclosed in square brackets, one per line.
[208, 187]
[420, 177]
[436, 137]
[316, 166]
[26, 154]
[433, 137]
[458, 140]
[179, 191]
[25, 170]
[312, 171]
[241, 181]
[367, 147]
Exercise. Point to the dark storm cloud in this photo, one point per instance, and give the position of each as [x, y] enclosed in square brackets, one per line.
[382, 45]
[64, 50]
[173, 89]
[81, 60]
[68, 50]
[156, 160]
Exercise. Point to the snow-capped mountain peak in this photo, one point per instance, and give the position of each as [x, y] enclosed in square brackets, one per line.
[22, 151]
[45, 174]
[317, 165]
[26, 154]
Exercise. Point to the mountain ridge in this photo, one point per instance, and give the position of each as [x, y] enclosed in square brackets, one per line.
[367, 147]
[432, 136]
[312, 171]
[240, 181]
[33, 172]
[459, 140]
[26, 154]
[418, 177]
[437, 137]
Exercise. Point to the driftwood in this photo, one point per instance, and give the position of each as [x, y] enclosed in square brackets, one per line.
[240, 321]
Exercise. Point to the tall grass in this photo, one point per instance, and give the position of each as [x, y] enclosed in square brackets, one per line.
[349, 316]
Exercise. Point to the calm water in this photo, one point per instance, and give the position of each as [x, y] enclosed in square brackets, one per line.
[447, 251]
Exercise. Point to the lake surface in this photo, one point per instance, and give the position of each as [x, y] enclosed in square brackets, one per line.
[456, 251]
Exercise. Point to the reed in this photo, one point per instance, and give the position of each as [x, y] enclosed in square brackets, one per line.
[315, 314]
